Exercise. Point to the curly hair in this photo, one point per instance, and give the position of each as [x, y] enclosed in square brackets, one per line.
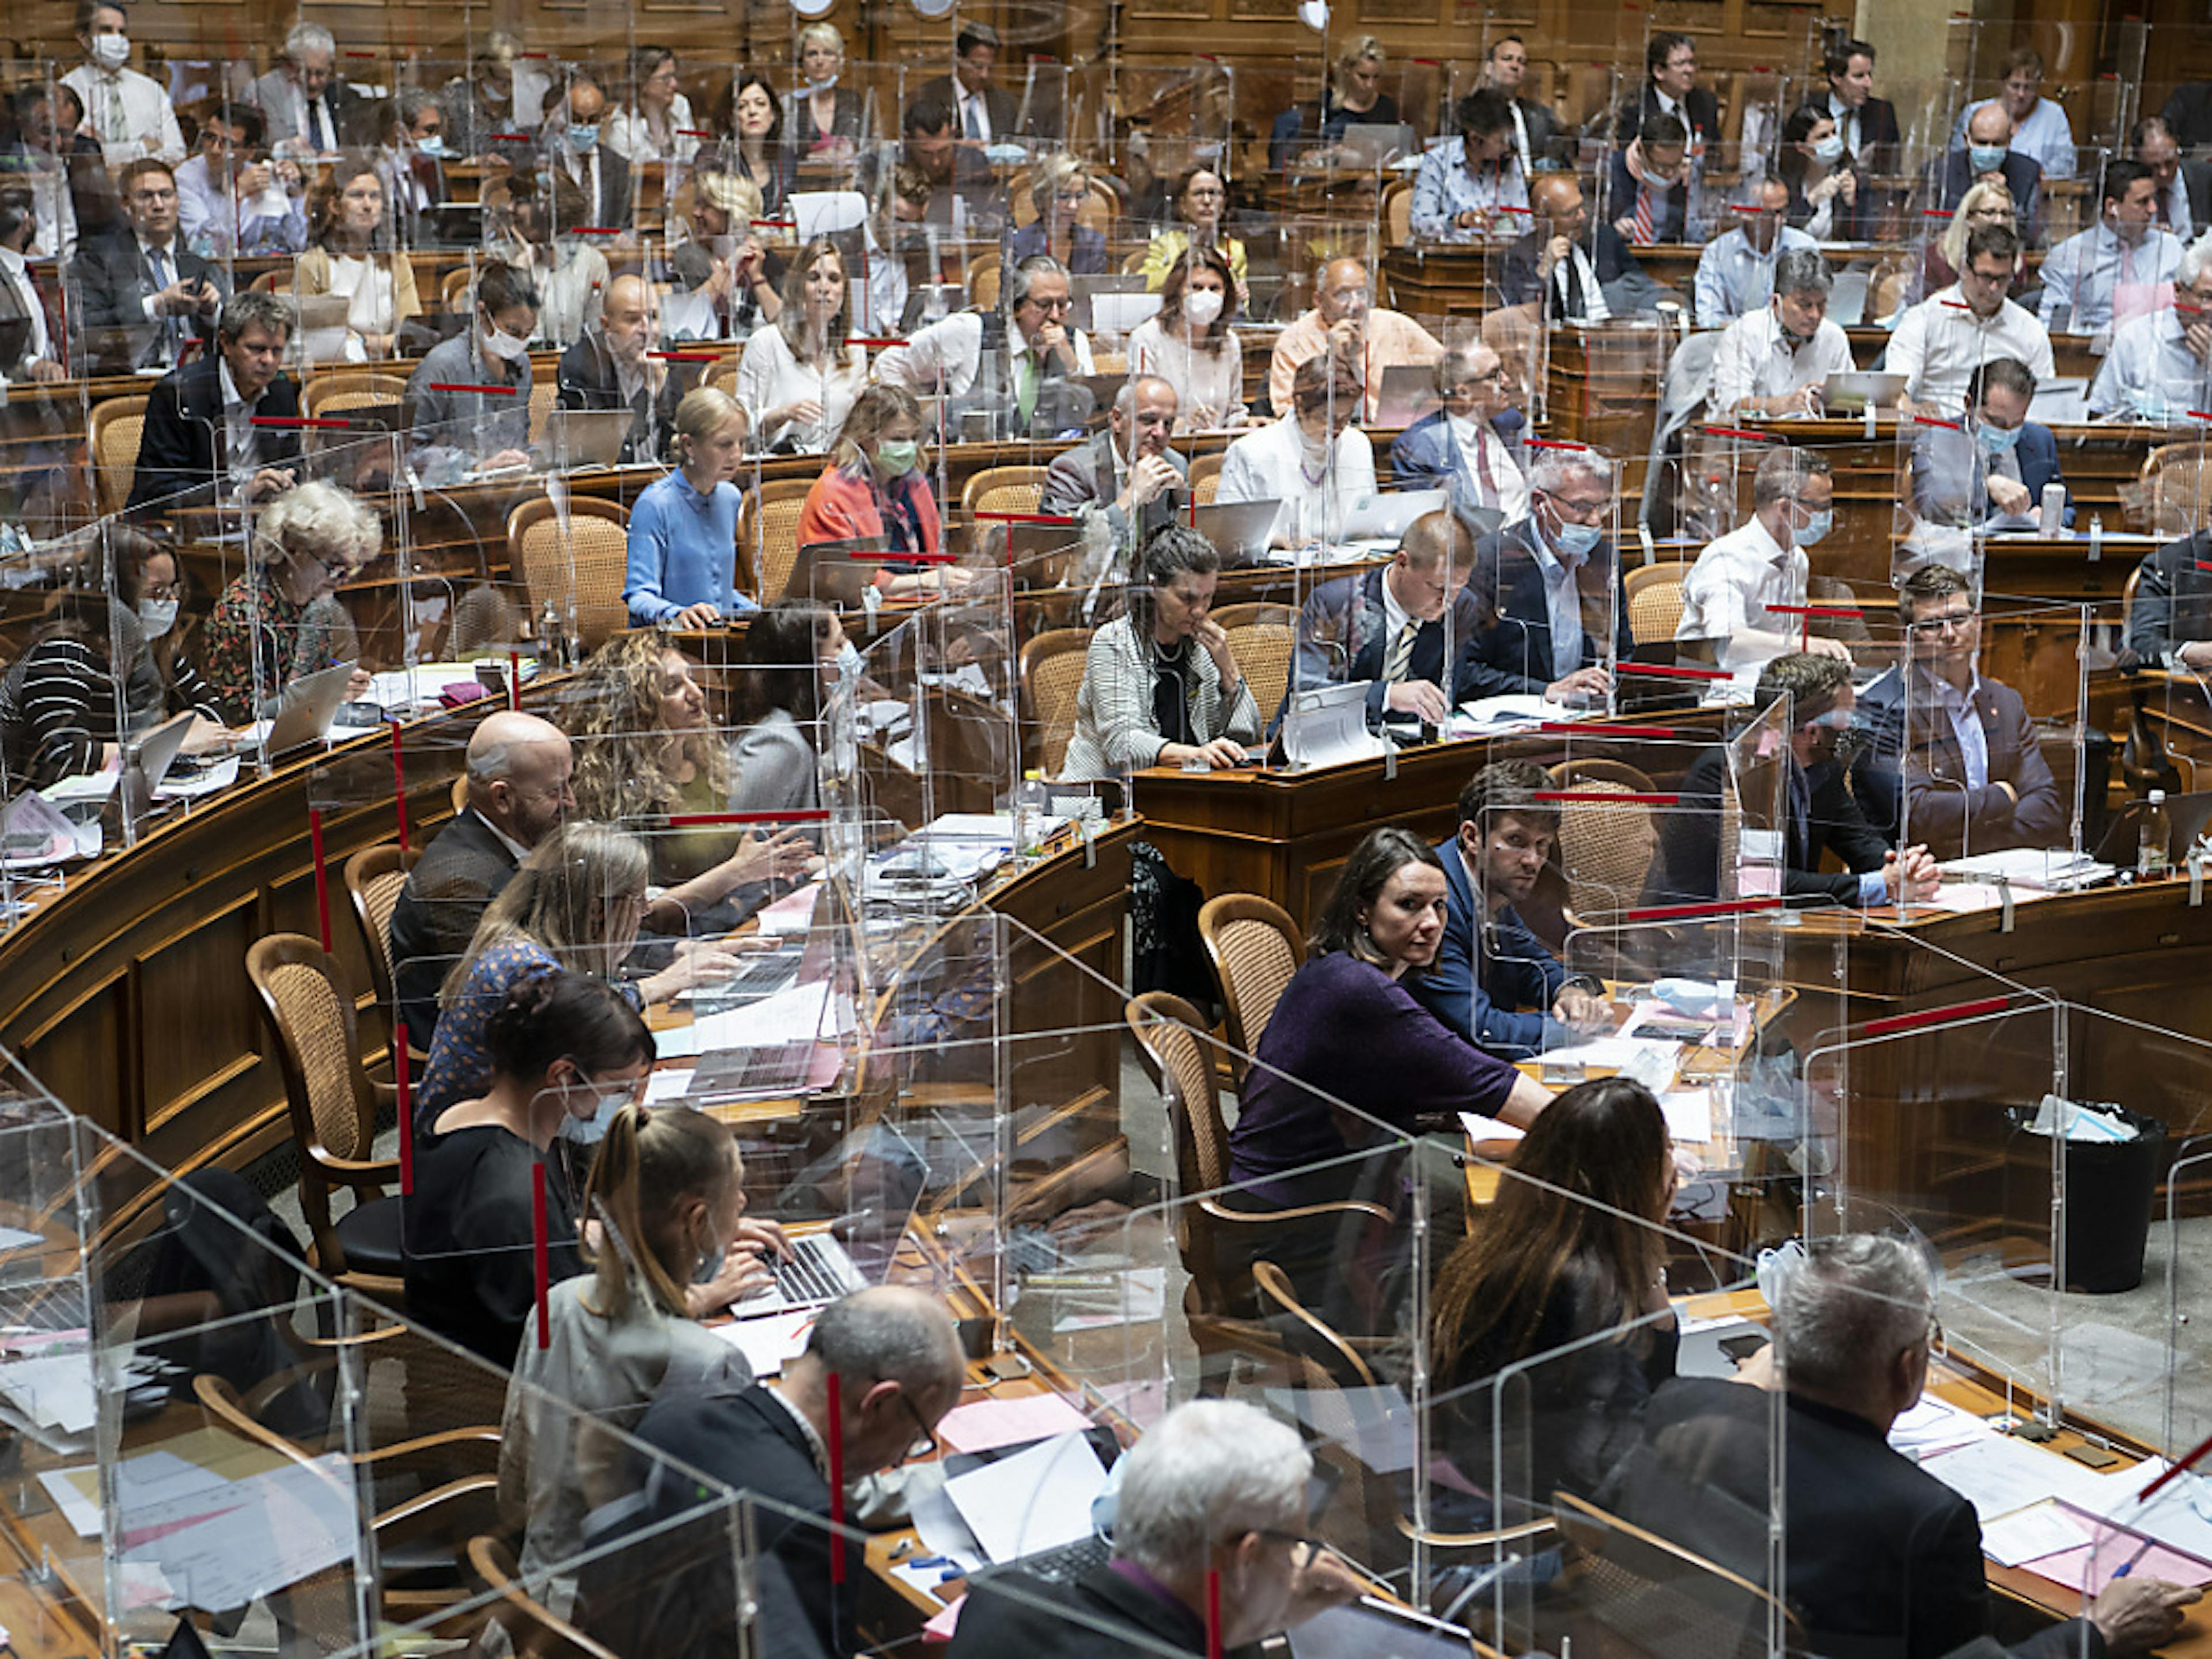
[622, 756]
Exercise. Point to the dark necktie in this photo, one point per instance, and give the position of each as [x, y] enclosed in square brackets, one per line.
[318, 130]
[160, 270]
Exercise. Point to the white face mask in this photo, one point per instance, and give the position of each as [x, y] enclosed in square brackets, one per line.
[111, 50]
[504, 345]
[157, 616]
[607, 1099]
[1200, 306]
[829, 85]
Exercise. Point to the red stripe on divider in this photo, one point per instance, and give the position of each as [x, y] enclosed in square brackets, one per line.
[1503, 207]
[1605, 797]
[1930, 420]
[1660, 671]
[905, 558]
[1599, 728]
[1836, 611]
[322, 874]
[1926, 1016]
[294, 422]
[687, 356]
[1954, 305]
[802, 815]
[1738, 432]
[1936, 213]
[540, 1268]
[485, 391]
[1213, 1613]
[2204, 564]
[1025, 518]
[595, 230]
[836, 1480]
[883, 344]
[406, 1106]
[399, 784]
[775, 224]
[1684, 912]
[515, 679]
[2199, 414]
[508, 138]
[1554, 443]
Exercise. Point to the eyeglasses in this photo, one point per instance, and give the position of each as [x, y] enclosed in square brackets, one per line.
[171, 589]
[924, 1446]
[1950, 621]
[1581, 511]
[1063, 303]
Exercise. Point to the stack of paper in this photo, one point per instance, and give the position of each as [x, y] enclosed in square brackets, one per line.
[1034, 1500]
[2056, 871]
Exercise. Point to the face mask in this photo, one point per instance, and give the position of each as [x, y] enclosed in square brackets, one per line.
[583, 136]
[606, 1100]
[111, 50]
[1830, 148]
[504, 345]
[492, 94]
[433, 145]
[848, 661]
[1579, 539]
[896, 460]
[1200, 306]
[1997, 440]
[157, 616]
[829, 85]
[1985, 158]
[1815, 532]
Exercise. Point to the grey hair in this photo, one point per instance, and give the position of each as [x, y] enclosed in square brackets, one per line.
[2194, 258]
[1553, 467]
[1124, 400]
[1801, 270]
[249, 307]
[1783, 472]
[1015, 288]
[308, 36]
[890, 1335]
[1847, 1311]
[1459, 362]
[320, 518]
[413, 102]
[1203, 1476]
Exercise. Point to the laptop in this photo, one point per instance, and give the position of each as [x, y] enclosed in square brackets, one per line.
[1408, 394]
[148, 758]
[1847, 298]
[586, 437]
[1374, 145]
[882, 1181]
[308, 708]
[827, 572]
[1238, 530]
[2061, 401]
[1386, 516]
[1849, 394]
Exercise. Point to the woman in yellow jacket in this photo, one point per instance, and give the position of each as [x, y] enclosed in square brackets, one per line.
[352, 255]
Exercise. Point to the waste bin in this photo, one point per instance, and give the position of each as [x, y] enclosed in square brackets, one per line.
[2110, 1185]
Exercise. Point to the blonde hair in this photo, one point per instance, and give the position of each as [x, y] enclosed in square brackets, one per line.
[872, 410]
[822, 34]
[1052, 174]
[1955, 234]
[321, 520]
[651, 1161]
[560, 898]
[1359, 50]
[704, 411]
[621, 752]
[727, 192]
[790, 321]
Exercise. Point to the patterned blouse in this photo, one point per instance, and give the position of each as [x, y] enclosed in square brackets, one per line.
[459, 1066]
[291, 640]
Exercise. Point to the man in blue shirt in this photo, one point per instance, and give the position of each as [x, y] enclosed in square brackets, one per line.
[1735, 273]
[1492, 981]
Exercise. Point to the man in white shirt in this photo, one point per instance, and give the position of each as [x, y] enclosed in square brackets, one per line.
[1735, 273]
[1313, 461]
[2120, 268]
[2040, 130]
[26, 352]
[1940, 342]
[1776, 360]
[300, 99]
[228, 202]
[1463, 447]
[2157, 368]
[127, 112]
[1021, 364]
[1762, 563]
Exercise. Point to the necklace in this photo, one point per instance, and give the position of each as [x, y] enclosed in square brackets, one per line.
[1314, 475]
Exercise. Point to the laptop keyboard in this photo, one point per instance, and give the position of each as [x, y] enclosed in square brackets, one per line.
[776, 1068]
[819, 1271]
[1064, 1563]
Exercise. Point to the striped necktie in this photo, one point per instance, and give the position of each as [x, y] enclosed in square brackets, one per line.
[1643, 234]
[1400, 662]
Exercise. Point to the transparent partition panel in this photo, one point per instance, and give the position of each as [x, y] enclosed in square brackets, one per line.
[1551, 584]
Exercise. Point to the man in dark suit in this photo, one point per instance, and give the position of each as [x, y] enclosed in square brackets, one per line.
[1214, 1486]
[1991, 469]
[1471, 447]
[1651, 186]
[610, 367]
[2170, 624]
[1989, 152]
[310, 110]
[1553, 582]
[1564, 265]
[894, 1359]
[982, 110]
[1128, 472]
[141, 295]
[2188, 114]
[930, 141]
[1881, 1560]
[1535, 129]
[1492, 981]
[1962, 759]
[1670, 88]
[574, 147]
[1814, 801]
[1390, 627]
[2185, 188]
[27, 347]
[1868, 124]
[519, 768]
[200, 440]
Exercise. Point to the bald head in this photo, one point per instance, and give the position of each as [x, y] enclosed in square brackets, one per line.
[1558, 200]
[1342, 291]
[897, 1366]
[1991, 124]
[518, 771]
[631, 318]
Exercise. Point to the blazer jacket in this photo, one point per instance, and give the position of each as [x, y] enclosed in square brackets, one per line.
[1951, 818]
[1514, 651]
[111, 334]
[182, 446]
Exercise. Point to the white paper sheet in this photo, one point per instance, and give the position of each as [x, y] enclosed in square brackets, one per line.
[771, 1342]
[192, 786]
[2037, 1530]
[1034, 1500]
[1689, 1113]
[2000, 1474]
[1480, 1127]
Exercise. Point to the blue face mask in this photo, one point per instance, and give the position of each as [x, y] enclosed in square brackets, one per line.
[1997, 440]
[1816, 530]
[1577, 538]
[583, 136]
[1985, 158]
[433, 145]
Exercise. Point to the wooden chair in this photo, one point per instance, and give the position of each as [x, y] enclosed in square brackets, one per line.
[373, 877]
[1051, 667]
[1003, 490]
[1263, 637]
[1255, 949]
[2175, 487]
[545, 393]
[1336, 1354]
[1654, 592]
[1605, 847]
[579, 572]
[543, 1635]
[1219, 1304]
[454, 291]
[309, 1010]
[1206, 477]
[983, 281]
[1398, 213]
[332, 392]
[768, 534]
[111, 438]
[1632, 1591]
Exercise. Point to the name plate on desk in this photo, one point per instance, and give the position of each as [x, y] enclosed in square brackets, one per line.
[1328, 727]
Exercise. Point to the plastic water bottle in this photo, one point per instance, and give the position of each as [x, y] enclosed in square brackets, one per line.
[1032, 806]
[2151, 837]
